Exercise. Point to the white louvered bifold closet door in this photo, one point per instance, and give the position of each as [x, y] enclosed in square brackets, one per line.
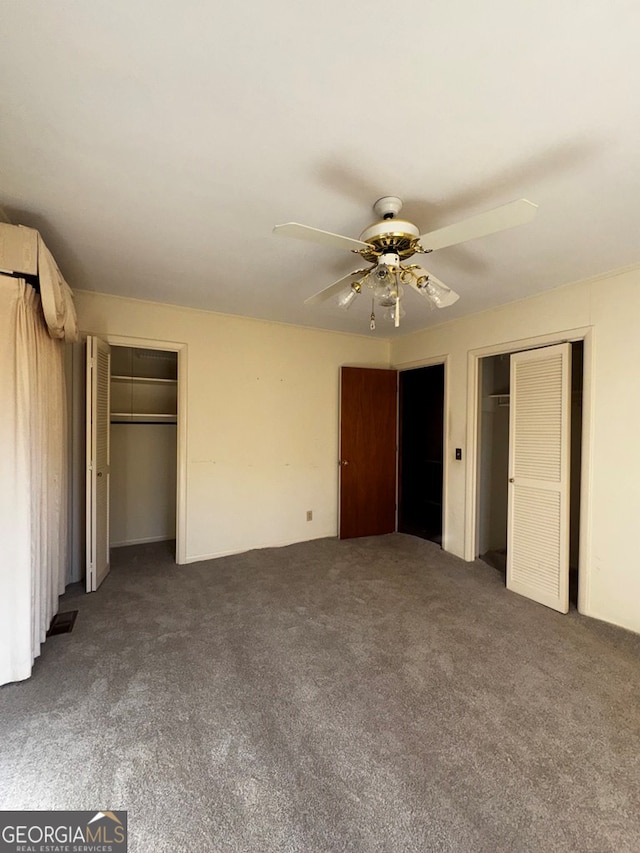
[539, 459]
[98, 460]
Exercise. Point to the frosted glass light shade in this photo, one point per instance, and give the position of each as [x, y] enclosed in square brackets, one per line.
[390, 313]
[387, 295]
[346, 299]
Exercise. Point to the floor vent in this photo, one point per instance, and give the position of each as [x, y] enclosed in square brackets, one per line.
[62, 623]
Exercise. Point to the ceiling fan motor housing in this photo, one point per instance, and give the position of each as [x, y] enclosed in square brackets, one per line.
[390, 235]
[389, 259]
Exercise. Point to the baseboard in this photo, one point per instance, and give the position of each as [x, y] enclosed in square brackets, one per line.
[200, 558]
[141, 541]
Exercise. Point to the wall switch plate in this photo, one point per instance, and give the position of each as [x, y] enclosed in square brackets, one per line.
[309, 515]
[458, 453]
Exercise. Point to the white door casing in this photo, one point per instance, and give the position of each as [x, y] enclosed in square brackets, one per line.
[98, 458]
[539, 469]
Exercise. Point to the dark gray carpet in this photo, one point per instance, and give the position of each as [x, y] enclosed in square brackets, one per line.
[371, 695]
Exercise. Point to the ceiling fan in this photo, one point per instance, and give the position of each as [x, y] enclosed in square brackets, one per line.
[390, 242]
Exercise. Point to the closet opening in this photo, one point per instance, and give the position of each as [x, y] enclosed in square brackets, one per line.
[421, 452]
[143, 439]
[493, 461]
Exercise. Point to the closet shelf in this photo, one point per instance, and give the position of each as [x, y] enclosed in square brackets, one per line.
[503, 399]
[143, 379]
[506, 394]
[133, 417]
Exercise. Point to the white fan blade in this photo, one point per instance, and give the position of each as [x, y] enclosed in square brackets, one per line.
[499, 219]
[435, 290]
[315, 235]
[330, 291]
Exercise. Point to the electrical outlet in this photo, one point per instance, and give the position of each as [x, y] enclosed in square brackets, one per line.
[309, 515]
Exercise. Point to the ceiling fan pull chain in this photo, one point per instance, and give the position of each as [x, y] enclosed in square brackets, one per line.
[372, 321]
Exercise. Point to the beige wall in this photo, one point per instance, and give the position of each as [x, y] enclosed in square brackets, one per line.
[262, 419]
[143, 483]
[611, 307]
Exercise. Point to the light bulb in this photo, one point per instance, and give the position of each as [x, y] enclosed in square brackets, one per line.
[382, 274]
[396, 310]
[440, 294]
[379, 276]
[432, 293]
[387, 295]
[346, 299]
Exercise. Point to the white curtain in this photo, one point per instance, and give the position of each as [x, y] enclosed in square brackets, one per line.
[33, 478]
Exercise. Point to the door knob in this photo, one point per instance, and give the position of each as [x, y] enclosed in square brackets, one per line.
[344, 462]
[99, 474]
[512, 479]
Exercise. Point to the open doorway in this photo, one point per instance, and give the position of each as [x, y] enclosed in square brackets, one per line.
[143, 426]
[421, 452]
[493, 461]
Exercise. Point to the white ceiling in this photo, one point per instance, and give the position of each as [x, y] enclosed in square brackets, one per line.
[155, 144]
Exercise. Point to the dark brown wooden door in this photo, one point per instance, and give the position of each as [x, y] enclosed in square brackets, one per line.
[368, 421]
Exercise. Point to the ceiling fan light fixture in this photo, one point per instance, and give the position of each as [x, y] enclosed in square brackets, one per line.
[380, 275]
[383, 279]
[432, 292]
[395, 313]
[347, 298]
[440, 294]
[387, 295]
[391, 240]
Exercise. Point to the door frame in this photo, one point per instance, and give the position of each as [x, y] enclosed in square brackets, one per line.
[586, 335]
[431, 362]
[181, 441]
